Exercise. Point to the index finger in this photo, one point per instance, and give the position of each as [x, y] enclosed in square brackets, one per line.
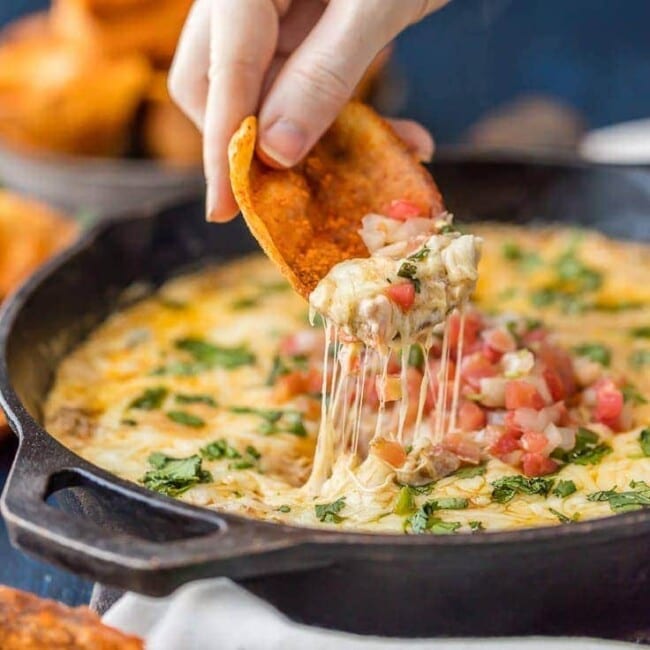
[243, 37]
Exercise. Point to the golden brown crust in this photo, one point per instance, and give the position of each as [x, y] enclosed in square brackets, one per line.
[306, 218]
[31, 623]
[30, 233]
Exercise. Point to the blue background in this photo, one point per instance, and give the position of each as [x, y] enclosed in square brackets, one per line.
[476, 54]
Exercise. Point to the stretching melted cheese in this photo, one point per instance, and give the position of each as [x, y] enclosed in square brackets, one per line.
[195, 363]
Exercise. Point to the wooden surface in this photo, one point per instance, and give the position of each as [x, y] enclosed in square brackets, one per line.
[18, 570]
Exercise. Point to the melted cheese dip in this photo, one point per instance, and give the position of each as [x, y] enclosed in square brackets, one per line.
[189, 374]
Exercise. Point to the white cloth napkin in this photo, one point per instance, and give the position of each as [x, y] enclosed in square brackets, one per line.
[218, 614]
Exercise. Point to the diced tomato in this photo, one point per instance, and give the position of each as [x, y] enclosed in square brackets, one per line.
[499, 339]
[463, 446]
[534, 442]
[298, 382]
[476, 367]
[413, 385]
[492, 355]
[555, 384]
[507, 442]
[536, 464]
[290, 385]
[401, 209]
[390, 452]
[434, 388]
[473, 325]
[609, 403]
[402, 294]
[559, 362]
[471, 417]
[522, 394]
[534, 336]
[510, 423]
[434, 369]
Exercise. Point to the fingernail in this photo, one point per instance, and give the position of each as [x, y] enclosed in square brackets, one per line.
[210, 202]
[284, 141]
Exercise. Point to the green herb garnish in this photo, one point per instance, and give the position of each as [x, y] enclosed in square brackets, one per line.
[284, 508]
[420, 255]
[470, 472]
[562, 517]
[563, 489]
[151, 399]
[507, 487]
[642, 332]
[640, 358]
[644, 441]
[248, 461]
[586, 451]
[186, 419]
[212, 356]
[476, 526]
[404, 504]
[625, 501]
[219, 449]
[329, 512]
[631, 394]
[184, 398]
[174, 476]
[275, 420]
[409, 270]
[416, 356]
[595, 352]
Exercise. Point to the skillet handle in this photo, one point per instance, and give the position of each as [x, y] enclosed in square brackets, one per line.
[155, 564]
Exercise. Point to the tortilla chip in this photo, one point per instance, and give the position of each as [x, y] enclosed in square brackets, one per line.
[307, 218]
[29, 622]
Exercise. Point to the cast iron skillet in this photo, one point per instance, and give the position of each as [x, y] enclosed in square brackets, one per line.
[589, 577]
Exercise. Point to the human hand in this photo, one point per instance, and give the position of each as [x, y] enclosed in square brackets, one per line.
[293, 62]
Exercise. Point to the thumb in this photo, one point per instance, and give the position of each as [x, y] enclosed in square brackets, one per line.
[321, 74]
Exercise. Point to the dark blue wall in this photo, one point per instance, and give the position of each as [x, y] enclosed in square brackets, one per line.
[474, 54]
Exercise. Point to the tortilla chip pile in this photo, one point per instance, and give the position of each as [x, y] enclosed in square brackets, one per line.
[30, 233]
[307, 218]
[89, 78]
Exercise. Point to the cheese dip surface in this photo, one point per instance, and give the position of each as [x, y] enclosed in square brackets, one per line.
[210, 391]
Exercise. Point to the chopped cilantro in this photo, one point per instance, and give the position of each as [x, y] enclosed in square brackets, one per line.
[408, 270]
[507, 487]
[219, 449]
[476, 526]
[128, 422]
[248, 461]
[640, 358]
[420, 255]
[595, 352]
[586, 451]
[642, 332]
[284, 508]
[184, 398]
[416, 356]
[561, 516]
[424, 517]
[625, 501]
[470, 472]
[246, 302]
[644, 441]
[170, 303]
[186, 419]
[405, 503]
[211, 355]
[275, 420]
[526, 260]
[151, 399]
[329, 512]
[174, 476]
[563, 489]
[631, 394]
